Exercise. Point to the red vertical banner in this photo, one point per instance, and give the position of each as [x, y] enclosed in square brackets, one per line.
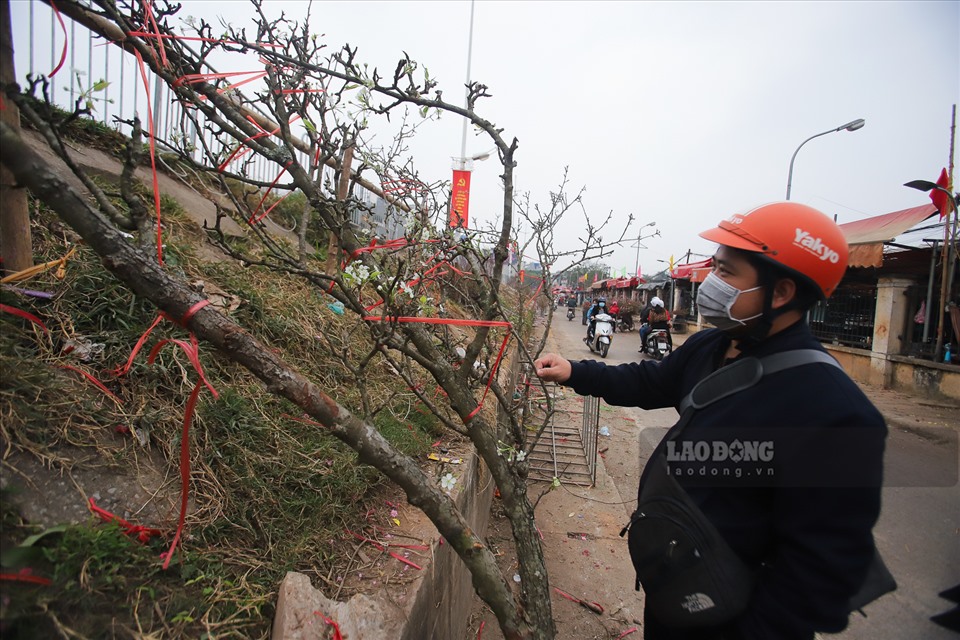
[460, 199]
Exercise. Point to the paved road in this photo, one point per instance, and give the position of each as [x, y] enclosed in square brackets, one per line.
[919, 528]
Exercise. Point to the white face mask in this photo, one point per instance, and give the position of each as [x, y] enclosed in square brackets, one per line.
[715, 298]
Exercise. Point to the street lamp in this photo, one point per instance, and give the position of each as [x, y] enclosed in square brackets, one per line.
[945, 253]
[639, 243]
[464, 163]
[850, 126]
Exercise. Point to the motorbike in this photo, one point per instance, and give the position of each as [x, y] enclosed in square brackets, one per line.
[570, 313]
[602, 334]
[656, 344]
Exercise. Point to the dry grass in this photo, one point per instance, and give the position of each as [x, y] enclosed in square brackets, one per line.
[268, 493]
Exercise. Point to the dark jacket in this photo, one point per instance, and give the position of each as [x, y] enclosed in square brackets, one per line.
[645, 313]
[596, 309]
[807, 530]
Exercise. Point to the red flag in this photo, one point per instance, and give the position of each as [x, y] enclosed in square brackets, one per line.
[460, 200]
[638, 271]
[595, 276]
[939, 198]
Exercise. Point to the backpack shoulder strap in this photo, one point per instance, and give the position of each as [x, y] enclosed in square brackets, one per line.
[743, 374]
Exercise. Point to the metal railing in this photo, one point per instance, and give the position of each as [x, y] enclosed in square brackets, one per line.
[565, 450]
[123, 94]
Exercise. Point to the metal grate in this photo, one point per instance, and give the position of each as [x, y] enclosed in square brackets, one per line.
[847, 318]
[567, 450]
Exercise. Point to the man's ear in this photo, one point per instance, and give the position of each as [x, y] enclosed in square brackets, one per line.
[784, 291]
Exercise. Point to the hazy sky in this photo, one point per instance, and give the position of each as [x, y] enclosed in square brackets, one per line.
[680, 113]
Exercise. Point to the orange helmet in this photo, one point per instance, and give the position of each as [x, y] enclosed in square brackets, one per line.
[794, 236]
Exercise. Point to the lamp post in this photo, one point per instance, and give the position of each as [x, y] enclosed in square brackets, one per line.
[462, 166]
[850, 126]
[640, 245]
[466, 97]
[946, 256]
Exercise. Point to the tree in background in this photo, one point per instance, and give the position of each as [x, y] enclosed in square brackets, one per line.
[314, 110]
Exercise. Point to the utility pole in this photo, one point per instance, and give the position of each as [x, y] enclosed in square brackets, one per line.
[946, 254]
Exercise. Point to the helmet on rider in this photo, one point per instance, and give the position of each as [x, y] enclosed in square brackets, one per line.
[656, 302]
[602, 302]
[787, 240]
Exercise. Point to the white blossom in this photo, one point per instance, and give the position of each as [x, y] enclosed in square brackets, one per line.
[357, 272]
[447, 482]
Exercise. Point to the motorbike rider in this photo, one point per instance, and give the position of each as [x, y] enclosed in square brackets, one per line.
[571, 304]
[645, 319]
[600, 306]
[614, 311]
[807, 533]
[657, 318]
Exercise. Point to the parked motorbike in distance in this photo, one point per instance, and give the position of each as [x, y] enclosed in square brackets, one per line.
[624, 322]
[656, 345]
[570, 313]
[602, 334]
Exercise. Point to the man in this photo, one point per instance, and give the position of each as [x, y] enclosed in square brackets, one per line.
[600, 306]
[655, 317]
[805, 533]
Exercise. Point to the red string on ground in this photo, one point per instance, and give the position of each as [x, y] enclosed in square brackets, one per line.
[141, 533]
[336, 628]
[96, 382]
[26, 577]
[184, 471]
[381, 547]
[25, 315]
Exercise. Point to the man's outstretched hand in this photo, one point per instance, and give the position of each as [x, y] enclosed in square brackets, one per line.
[553, 368]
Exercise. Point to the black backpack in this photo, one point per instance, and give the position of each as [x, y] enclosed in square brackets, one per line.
[690, 576]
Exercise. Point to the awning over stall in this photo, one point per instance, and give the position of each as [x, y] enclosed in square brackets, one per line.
[625, 283]
[692, 271]
[866, 237]
[600, 284]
